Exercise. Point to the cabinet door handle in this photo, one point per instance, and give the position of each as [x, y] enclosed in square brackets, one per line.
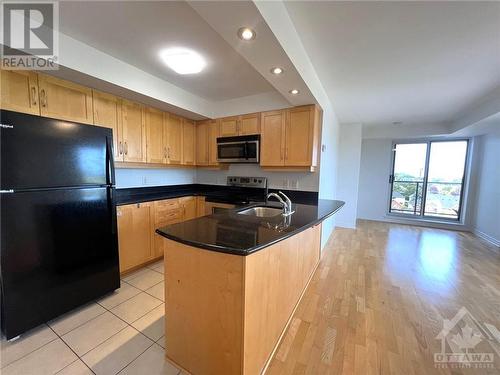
[33, 95]
[120, 148]
[126, 148]
[286, 153]
[168, 152]
[43, 98]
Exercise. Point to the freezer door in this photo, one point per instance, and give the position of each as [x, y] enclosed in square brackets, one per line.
[59, 250]
[38, 152]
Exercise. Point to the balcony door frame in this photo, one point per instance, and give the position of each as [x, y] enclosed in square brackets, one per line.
[464, 185]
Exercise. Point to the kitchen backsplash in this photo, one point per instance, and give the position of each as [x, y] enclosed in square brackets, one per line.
[139, 177]
[126, 178]
[277, 180]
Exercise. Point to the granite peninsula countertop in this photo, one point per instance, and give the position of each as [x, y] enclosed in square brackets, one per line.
[233, 233]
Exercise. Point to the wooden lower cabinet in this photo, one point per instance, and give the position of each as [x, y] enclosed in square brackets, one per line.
[189, 208]
[167, 211]
[137, 223]
[134, 234]
[200, 206]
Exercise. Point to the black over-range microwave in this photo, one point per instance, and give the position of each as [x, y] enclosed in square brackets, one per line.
[241, 149]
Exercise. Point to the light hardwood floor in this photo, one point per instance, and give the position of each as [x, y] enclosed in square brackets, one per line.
[379, 297]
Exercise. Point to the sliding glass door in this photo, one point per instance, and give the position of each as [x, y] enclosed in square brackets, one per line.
[427, 179]
[407, 178]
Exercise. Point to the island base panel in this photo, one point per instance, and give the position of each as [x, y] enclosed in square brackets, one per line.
[225, 314]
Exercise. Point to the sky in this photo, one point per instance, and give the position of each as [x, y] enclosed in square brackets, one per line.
[447, 160]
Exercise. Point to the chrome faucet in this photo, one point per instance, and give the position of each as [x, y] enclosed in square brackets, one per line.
[287, 203]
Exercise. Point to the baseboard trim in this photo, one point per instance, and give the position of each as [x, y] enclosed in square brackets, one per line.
[422, 223]
[486, 237]
[345, 225]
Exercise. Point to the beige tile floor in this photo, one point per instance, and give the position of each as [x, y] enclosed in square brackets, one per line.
[122, 333]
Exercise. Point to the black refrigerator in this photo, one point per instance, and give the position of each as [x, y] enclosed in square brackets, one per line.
[58, 218]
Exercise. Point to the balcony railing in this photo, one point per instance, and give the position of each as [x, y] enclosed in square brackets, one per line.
[418, 196]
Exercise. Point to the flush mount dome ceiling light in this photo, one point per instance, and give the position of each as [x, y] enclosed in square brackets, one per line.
[183, 60]
[246, 33]
[276, 70]
[294, 91]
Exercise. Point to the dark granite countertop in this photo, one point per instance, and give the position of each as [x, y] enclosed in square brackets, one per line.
[233, 233]
[213, 193]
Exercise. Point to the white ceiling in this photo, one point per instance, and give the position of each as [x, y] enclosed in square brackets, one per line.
[134, 32]
[415, 62]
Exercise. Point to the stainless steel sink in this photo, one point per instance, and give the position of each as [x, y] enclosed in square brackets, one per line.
[262, 211]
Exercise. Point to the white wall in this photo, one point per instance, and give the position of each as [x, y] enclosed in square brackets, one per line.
[328, 167]
[276, 180]
[373, 178]
[126, 178]
[348, 173]
[373, 190]
[486, 202]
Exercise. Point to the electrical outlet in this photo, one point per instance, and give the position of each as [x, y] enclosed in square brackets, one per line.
[144, 180]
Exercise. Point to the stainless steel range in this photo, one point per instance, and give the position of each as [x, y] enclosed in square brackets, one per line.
[255, 182]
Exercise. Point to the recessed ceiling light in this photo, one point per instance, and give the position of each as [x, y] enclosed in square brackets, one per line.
[183, 60]
[276, 70]
[397, 123]
[294, 92]
[246, 33]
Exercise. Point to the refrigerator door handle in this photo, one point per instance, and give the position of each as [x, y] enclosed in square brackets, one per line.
[110, 164]
[112, 208]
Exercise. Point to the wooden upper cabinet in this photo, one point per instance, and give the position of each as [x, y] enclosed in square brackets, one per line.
[299, 136]
[134, 234]
[155, 148]
[188, 142]
[213, 133]
[19, 91]
[65, 100]
[173, 139]
[228, 126]
[249, 124]
[272, 138]
[134, 134]
[239, 125]
[107, 113]
[202, 142]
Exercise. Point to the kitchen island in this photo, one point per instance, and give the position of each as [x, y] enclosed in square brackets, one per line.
[232, 283]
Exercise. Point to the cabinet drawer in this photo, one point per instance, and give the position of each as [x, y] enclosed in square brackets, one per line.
[165, 217]
[167, 204]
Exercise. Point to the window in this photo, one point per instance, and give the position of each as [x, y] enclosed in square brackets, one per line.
[427, 179]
